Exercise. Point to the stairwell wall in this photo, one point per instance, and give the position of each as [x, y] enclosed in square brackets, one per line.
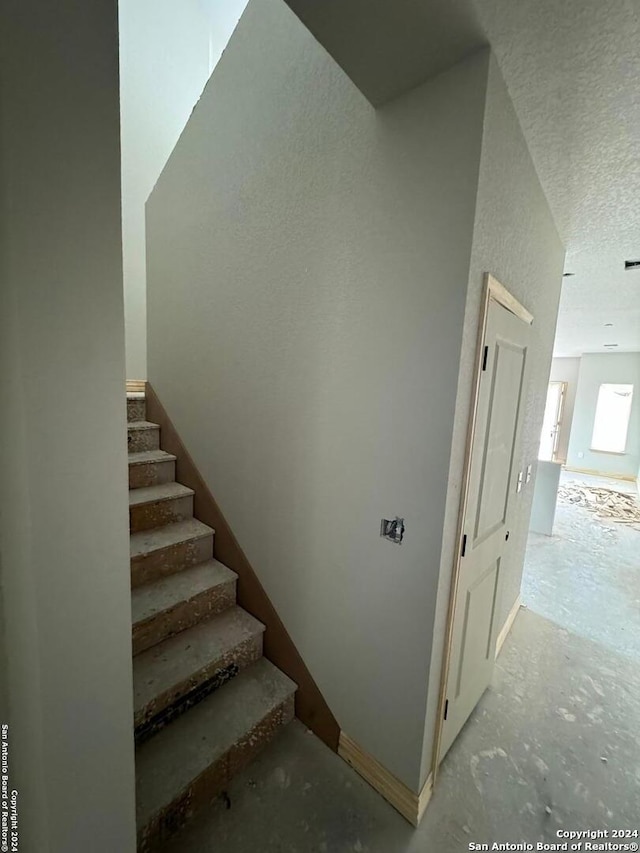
[64, 556]
[308, 260]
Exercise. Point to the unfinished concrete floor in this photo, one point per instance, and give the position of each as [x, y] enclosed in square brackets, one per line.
[553, 744]
[586, 577]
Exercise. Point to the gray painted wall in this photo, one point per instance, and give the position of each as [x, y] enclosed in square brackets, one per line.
[514, 238]
[64, 553]
[308, 259]
[566, 370]
[545, 497]
[596, 369]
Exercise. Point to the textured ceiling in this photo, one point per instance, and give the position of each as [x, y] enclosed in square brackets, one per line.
[573, 72]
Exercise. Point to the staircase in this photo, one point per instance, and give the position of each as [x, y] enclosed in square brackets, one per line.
[205, 699]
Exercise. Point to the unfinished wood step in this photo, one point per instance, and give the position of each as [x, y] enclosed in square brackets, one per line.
[142, 435]
[136, 407]
[155, 506]
[179, 601]
[208, 654]
[151, 468]
[186, 765]
[166, 550]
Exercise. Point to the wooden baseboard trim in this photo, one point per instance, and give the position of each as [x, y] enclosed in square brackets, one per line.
[411, 806]
[279, 648]
[136, 386]
[425, 797]
[629, 478]
[511, 618]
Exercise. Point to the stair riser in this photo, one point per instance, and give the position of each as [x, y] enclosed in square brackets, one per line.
[203, 790]
[152, 474]
[183, 616]
[136, 410]
[143, 439]
[240, 656]
[159, 513]
[167, 561]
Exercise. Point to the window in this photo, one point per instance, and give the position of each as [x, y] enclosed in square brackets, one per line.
[611, 424]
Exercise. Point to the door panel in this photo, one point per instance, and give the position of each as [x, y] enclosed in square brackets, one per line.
[502, 413]
[491, 490]
[477, 630]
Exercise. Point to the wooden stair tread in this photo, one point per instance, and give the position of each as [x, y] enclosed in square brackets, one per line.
[180, 658]
[162, 492]
[205, 700]
[146, 457]
[147, 541]
[161, 595]
[141, 425]
[171, 760]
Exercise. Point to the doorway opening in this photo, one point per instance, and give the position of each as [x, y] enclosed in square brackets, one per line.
[556, 711]
[581, 567]
[551, 425]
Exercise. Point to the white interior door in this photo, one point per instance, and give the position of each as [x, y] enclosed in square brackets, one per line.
[551, 422]
[492, 482]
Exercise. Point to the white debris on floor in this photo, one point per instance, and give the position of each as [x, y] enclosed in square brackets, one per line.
[606, 503]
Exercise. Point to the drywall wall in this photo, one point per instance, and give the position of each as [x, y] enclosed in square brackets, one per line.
[515, 239]
[545, 497]
[596, 369]
[168, 48]
[22, 696]
[308, 260]
[63, 491]
[565, 370]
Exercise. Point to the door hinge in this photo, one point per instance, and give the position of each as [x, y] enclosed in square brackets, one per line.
[464, 545]
[446, 709]
[485, 357]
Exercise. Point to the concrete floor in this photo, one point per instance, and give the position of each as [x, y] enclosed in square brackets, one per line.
[589, 567]
[554, 742]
